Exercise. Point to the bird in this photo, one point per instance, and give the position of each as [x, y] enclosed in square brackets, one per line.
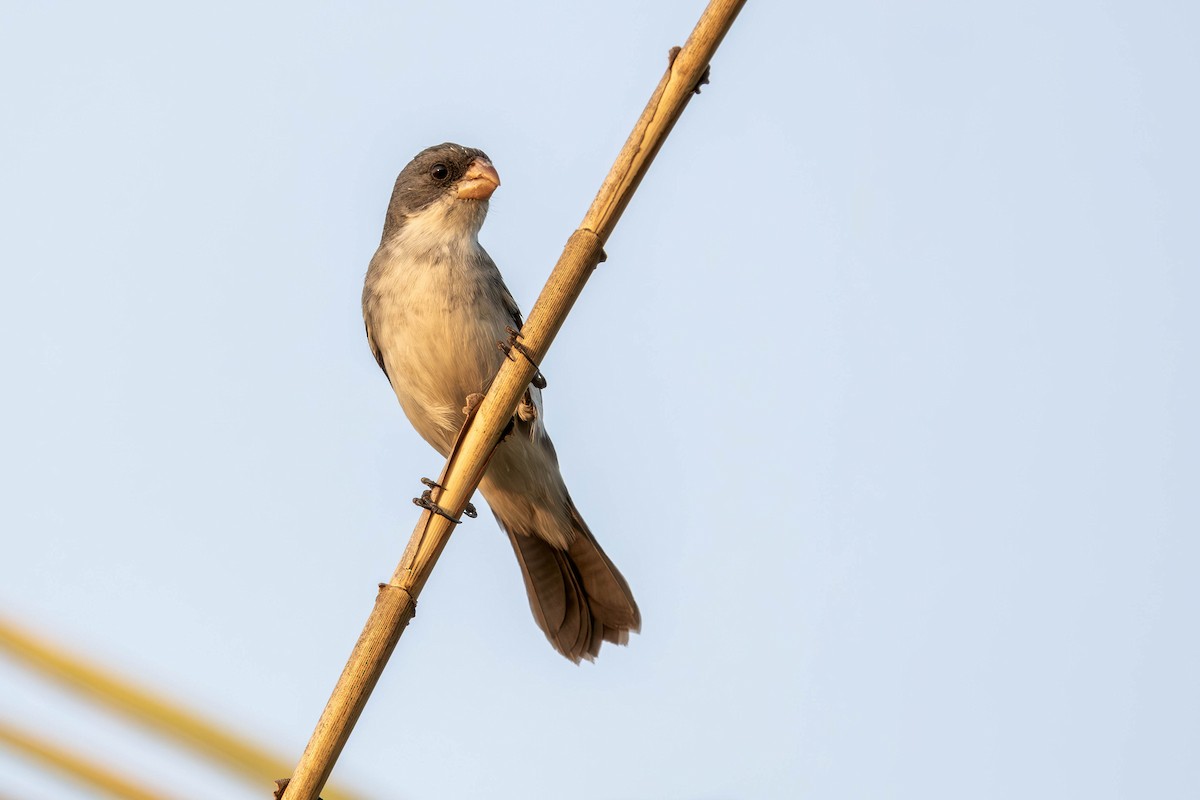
[435, 308]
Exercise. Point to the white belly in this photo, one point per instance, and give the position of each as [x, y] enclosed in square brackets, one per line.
[437, 330]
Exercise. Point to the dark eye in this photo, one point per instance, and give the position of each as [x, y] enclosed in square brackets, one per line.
[439, 172]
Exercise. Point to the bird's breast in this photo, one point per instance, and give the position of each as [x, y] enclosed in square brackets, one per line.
[436, 322]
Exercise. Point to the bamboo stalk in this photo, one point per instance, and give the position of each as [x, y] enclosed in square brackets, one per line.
[74, 765]
[396, 601]
[155, 712]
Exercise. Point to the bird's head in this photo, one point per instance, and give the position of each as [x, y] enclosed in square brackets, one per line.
[445, 189]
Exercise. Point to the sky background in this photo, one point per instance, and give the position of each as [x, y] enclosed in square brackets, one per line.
[885, 401]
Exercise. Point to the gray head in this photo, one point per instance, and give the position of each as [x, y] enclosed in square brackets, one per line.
[448, 179]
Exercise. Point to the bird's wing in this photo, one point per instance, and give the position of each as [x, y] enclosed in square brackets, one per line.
[510, 305]
[374, 345]
[529, 410]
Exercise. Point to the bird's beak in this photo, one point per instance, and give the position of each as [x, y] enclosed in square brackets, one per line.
[479, 181]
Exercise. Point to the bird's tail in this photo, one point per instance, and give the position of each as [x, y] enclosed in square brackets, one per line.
[578, 596]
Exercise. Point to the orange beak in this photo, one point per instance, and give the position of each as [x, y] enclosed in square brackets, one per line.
[479, 181]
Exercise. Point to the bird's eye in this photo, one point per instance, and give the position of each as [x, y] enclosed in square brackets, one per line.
[439, 172]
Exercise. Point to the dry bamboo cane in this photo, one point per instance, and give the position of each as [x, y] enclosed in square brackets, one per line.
[395, 603]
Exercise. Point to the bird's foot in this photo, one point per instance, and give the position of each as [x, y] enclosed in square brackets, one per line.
[425, 501]
[474, 401]
[539, 380]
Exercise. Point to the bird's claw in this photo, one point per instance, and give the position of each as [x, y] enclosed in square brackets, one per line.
[425, 501]
[539, 380]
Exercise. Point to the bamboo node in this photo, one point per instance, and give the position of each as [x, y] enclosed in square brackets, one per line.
[383, 587]
[589, 243]
[671, 56]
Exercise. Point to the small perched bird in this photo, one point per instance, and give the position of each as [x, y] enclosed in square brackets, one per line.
[435, 308]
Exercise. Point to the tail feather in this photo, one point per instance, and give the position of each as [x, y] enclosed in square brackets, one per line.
[545, 583]
[577, 595]
[607, 589]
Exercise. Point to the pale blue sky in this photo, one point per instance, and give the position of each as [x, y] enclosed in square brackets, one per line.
[884, 402]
